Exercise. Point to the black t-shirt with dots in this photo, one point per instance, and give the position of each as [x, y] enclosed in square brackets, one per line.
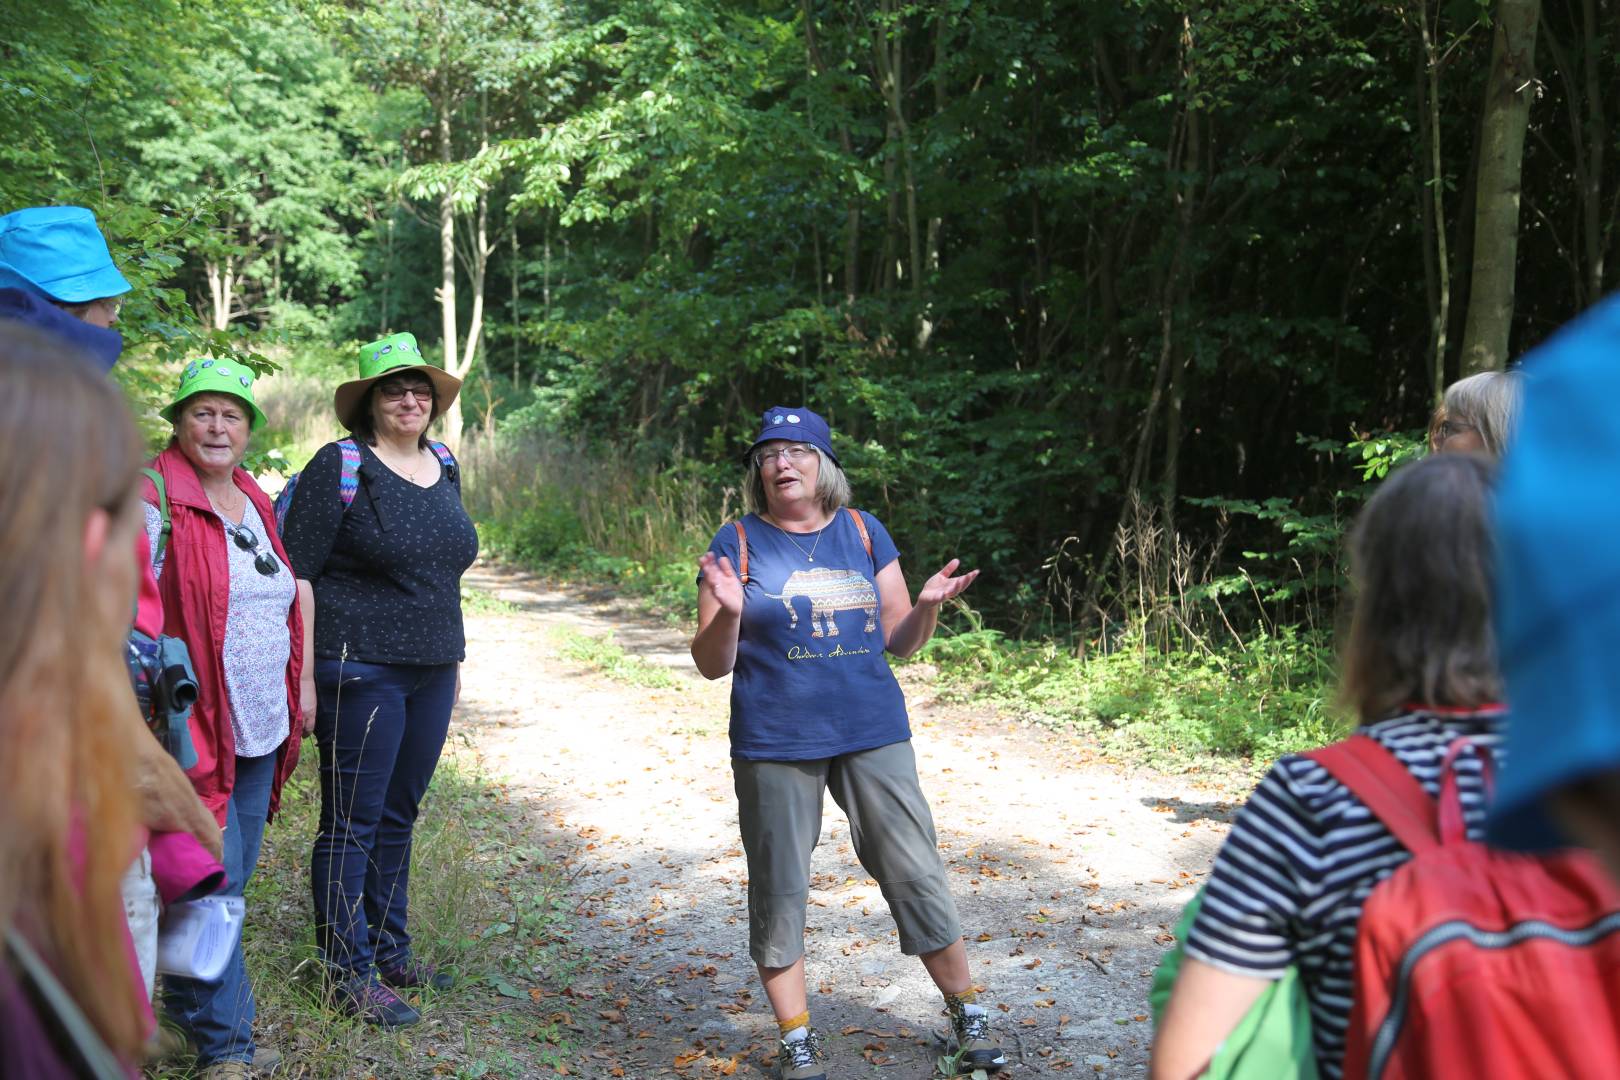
[386, 571]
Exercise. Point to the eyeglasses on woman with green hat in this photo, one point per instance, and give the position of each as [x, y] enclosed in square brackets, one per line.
[395, 355]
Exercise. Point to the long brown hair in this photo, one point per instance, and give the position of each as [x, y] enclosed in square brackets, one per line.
[67, 723]
[1422, 563]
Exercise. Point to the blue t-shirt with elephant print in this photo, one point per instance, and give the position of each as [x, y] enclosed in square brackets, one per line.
[812, 680]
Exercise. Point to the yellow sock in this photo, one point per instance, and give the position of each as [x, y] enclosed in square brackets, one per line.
[966, 997]
[786, 1026]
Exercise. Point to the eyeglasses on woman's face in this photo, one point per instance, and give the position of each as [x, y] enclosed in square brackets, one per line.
[263, 561]
[794, 454]
[395, 391]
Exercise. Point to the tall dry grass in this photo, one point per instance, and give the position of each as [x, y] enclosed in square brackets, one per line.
[547, 502]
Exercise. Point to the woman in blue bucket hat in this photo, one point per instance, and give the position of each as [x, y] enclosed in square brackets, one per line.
[800, 602]
[56, 272]
[228, 593]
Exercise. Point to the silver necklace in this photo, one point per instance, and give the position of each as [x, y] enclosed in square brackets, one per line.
[809, 556]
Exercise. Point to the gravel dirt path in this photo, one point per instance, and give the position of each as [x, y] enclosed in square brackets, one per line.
[1068, 872]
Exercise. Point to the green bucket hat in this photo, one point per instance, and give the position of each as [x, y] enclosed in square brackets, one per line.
[211, 376]
[382, 357]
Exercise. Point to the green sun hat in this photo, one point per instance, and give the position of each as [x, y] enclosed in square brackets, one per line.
[382, 357]
[211, 376]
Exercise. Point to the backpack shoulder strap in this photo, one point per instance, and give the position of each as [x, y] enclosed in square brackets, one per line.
[452, 471]
[1381, 782]
[349, 474]
[742, 551]
[860, 527]
[94, 1057]
[163, 511]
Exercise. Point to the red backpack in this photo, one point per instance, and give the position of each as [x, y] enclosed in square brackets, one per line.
[1470, 961]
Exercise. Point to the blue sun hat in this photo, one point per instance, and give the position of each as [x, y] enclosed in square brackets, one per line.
[211, 376]
[796, 424]
[1558, 577]
[57, 252]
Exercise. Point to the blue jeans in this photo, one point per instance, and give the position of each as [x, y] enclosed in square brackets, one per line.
[218, 1017]
[380, 734]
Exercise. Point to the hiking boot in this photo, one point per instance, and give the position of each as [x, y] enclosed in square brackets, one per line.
[970, 1042]
[800, 1059]
[227, 1070]
[266, 1060]
[411, 975]
[376, 1004]
[168, 1045]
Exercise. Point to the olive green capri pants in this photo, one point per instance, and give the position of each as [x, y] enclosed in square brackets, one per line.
[779, 809]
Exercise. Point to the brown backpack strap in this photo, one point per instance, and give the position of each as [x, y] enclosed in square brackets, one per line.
[860, 527]
[742, 551]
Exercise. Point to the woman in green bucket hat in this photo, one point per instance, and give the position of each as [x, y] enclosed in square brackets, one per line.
[376, 531]
[228, 593]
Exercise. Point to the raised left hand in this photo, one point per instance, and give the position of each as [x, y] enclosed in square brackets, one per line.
[942, 586]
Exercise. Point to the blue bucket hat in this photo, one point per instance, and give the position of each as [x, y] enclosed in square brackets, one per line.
[1558, 577]
[58, 252]
[796, 424]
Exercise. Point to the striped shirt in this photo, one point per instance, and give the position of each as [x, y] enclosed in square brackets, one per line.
[1289, 883]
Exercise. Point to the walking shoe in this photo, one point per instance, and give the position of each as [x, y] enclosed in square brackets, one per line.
[168, 1044]
[800, 1059]
[970, 1041]
[376, 1004]
[411, 975]
[227, 1070]
[266, 1060]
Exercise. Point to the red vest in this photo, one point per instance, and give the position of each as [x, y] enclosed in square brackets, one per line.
[195, 589]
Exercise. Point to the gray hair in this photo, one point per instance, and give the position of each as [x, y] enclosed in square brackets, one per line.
[1487, 402]
[832, 486]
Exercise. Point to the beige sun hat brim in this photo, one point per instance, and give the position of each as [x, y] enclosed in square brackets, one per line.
[348, 396]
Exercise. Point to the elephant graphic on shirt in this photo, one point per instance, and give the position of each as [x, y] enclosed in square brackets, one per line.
[829, 591]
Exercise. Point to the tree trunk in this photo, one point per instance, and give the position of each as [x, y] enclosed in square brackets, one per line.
[447, 242]
[1509, 88]
[1430, 125]
[517, 327]
[1597, 132]
[852, 216]
[221, 291]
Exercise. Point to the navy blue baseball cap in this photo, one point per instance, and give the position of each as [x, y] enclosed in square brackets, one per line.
[1558, 577]
[796, 424]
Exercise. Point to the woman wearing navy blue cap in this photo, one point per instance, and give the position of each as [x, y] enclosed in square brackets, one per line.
[799, 601]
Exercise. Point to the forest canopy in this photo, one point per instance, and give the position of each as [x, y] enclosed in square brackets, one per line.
[1047, 268]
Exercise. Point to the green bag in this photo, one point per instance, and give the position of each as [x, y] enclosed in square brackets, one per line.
[1271, 1042]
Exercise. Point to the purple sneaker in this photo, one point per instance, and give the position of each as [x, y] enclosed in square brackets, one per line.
[376, 1004]
[412, 976]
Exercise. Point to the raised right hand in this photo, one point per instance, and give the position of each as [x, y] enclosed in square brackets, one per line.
[721, 582]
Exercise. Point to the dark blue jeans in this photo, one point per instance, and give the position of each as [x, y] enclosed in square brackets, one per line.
[218, 1017]
[380, 728]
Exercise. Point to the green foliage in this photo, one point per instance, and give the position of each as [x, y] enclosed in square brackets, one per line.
[1069, 280]
[1257, 700]
[608, 657]
[485, 904]
[273, 135]
[1382, 453]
